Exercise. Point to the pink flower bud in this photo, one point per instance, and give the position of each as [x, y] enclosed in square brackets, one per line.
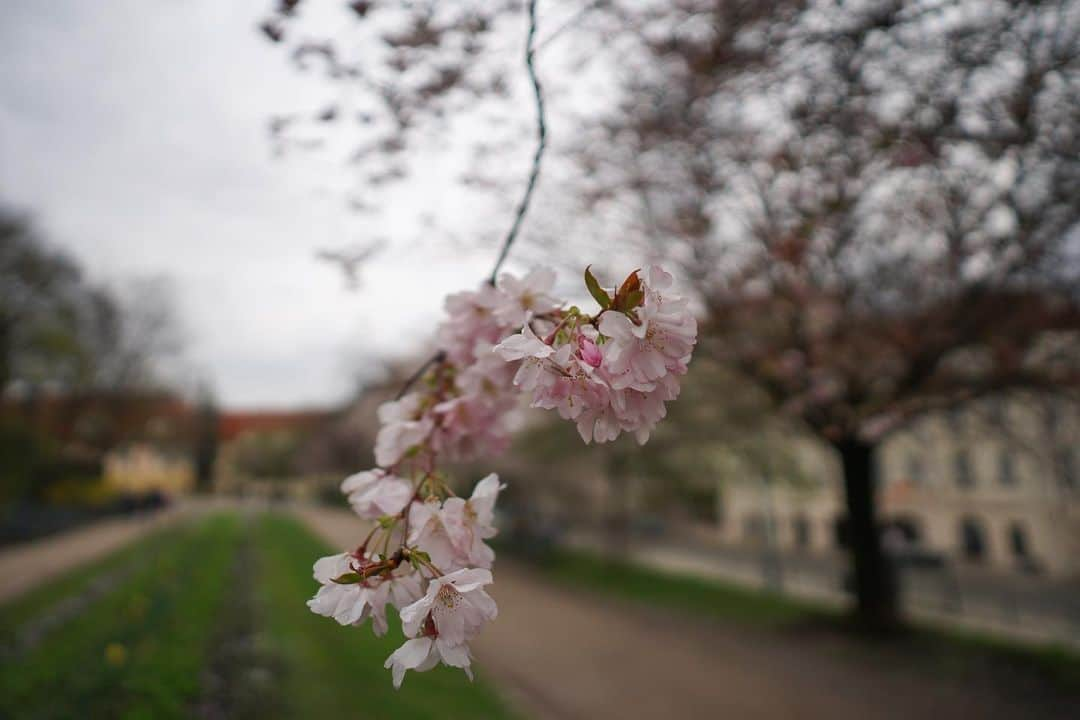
[589, 352]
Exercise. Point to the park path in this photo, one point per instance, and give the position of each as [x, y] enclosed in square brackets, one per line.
[27, 565]
[561, 654]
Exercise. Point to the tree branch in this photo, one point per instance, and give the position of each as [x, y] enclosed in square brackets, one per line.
[541, 144]
[534, 173]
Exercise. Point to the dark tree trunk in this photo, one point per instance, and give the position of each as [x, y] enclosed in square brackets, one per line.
[206, 447]
[872, 580]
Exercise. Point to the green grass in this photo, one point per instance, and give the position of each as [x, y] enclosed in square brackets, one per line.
[966, 652]
[586, 570]
[137, 651]
[28, 605]
[331, 671]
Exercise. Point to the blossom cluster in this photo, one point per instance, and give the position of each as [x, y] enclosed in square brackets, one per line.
[614, 371]
[426, 555]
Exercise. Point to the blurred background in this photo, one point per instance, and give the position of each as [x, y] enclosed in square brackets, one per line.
[226, 231]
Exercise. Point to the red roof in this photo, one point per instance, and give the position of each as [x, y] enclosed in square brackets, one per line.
[234, 424]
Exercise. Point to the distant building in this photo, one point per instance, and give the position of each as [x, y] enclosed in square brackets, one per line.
[258, 450]
[141, 469]
[996, 485]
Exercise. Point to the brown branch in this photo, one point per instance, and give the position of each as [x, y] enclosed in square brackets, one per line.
[541, 144]
[436, 358]
[534, 173]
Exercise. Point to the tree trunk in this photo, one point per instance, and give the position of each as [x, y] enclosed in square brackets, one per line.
[873, 583]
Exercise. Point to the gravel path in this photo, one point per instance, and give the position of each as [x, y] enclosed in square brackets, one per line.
[27, 565]
[558, 653]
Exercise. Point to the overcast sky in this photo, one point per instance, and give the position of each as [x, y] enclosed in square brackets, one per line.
[135, 132]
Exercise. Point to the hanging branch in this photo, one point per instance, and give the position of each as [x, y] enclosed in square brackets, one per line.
[526, 198]
[436, 358]
[541, 144]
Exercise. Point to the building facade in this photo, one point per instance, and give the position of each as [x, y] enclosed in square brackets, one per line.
[995, 485]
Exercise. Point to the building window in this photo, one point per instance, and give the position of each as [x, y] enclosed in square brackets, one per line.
[972, 540]
[1018, 541]
[800, 527]
[962, 469]
[841, 533]
[907, 528]
[1066, 467]
[1006, 468]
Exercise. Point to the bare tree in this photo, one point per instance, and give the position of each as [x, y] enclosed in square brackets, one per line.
[40, 293]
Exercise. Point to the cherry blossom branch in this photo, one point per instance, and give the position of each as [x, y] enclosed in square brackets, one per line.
[541, 144]
[436, 358]
[526, 198]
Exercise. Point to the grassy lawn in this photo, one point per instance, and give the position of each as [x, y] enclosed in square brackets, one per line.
[135, 651]
[209, 615]
[964, 655]
[699, 596]
[331, 671]
[29, 605]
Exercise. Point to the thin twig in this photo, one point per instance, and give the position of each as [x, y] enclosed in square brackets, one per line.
[534, 173]
[436, 358]
[541, 144]
[570, 23]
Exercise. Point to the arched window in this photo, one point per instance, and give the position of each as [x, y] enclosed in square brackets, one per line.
[1018, 541]
[800, 528]
[972, 539]
[909, 528]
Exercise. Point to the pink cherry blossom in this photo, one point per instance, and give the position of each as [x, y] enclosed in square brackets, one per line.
[429, 533]
[471, 318]
[468, 426]
[608, 373]
[524, 344]
[469, 522]
[352, 603]
[528, 296]
[457, 605]
[403, 427]
[424, 653]
[657, 341]
[375, 493]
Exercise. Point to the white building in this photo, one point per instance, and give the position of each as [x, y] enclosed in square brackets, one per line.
[996, 485]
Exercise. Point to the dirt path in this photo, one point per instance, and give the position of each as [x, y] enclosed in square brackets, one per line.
[27, 565]
[558, 653]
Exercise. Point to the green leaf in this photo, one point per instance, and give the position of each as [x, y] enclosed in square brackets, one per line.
[598, 293]
[633, 299]
[349, 578]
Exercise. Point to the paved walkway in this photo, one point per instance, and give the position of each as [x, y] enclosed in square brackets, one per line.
[25, 566]
[562, 654]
